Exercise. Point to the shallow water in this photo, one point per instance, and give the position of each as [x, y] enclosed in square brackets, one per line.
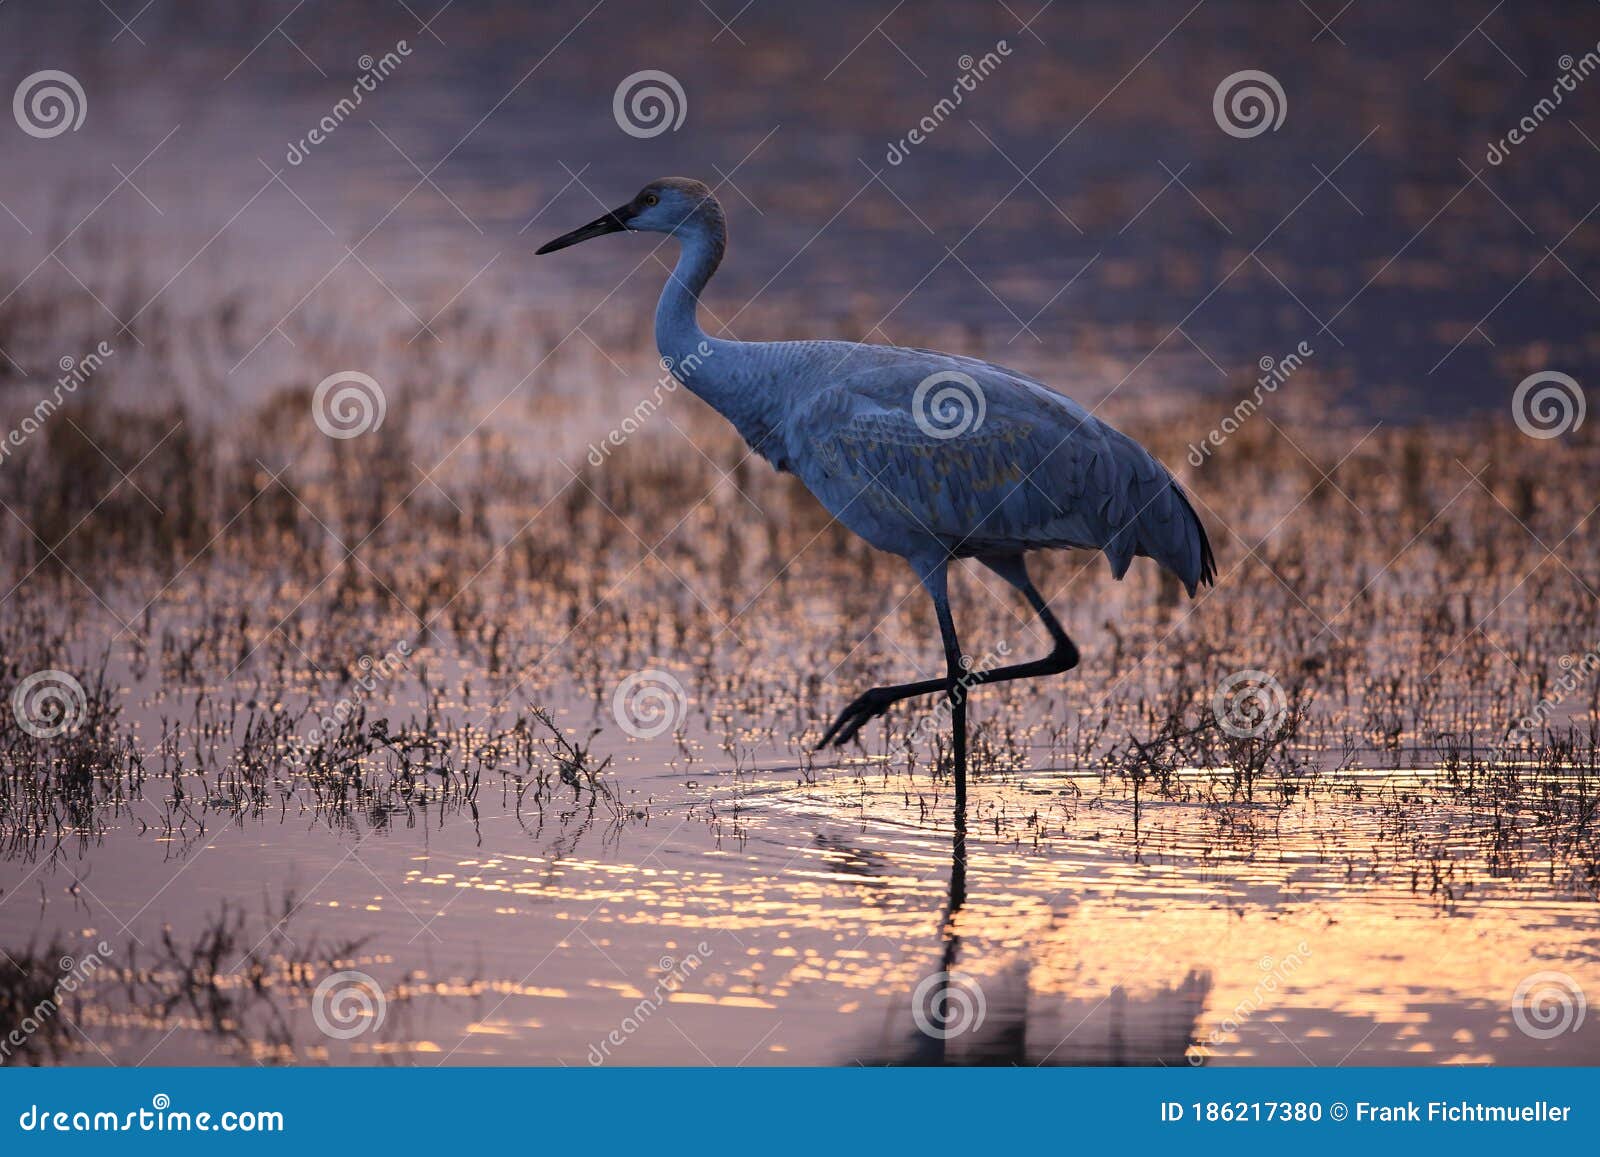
[1371, 883]
[774, 916]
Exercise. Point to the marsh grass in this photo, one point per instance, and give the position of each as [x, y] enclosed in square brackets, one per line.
[214, 577]
[245, 981]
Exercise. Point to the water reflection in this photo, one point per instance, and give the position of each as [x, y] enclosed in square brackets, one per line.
[958, 1020]
[848, 918]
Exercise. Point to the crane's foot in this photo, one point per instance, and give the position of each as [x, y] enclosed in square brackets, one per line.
[863, 709]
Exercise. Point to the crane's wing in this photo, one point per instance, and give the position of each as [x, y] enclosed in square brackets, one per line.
[917, 444]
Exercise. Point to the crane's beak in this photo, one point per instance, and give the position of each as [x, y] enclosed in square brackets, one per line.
[612, 222]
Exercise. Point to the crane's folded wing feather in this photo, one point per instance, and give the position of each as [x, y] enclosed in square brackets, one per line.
[995, 463]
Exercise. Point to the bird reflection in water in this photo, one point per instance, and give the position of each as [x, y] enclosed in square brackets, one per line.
[958, 1020]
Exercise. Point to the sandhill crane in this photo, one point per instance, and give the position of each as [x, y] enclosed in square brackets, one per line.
[925, 455]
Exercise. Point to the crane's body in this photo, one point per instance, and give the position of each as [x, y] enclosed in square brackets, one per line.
[869, 430]
[1038, 472]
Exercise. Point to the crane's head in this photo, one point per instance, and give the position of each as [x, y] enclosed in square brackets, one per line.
[667, 205]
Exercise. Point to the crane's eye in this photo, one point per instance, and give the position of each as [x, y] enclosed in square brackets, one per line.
[651, 199]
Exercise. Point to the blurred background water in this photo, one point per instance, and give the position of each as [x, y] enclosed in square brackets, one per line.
[1369, 223]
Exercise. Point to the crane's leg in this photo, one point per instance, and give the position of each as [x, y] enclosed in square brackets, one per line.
[1063, 656]
[875, 701]
[937, 582]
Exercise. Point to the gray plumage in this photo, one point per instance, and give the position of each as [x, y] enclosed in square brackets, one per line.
[923, 454]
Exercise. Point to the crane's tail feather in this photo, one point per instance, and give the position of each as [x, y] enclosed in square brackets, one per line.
[1208, 561]
[1167, 529]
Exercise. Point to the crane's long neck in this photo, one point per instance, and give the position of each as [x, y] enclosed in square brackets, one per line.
[725, 374]
[678, 332]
